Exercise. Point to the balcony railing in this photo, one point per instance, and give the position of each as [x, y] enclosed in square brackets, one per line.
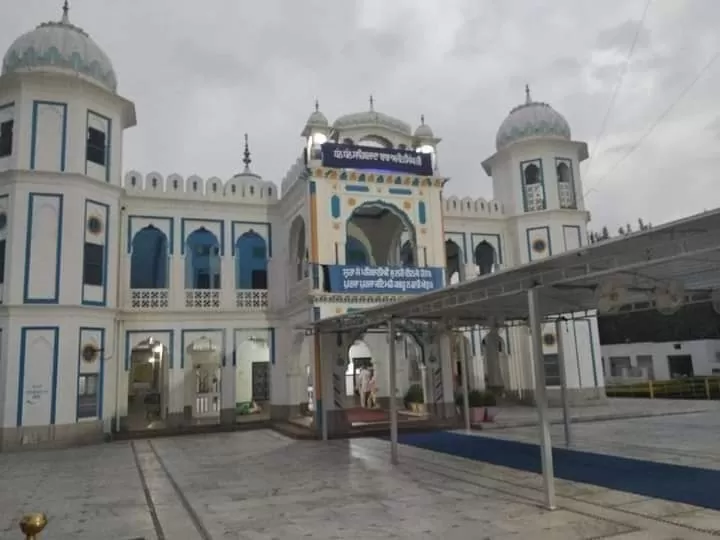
[197, 299]
[149, 299]
[202, 298]
[251, 300]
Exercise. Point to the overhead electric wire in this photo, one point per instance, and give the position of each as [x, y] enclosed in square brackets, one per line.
[618, 85]
[659, 119]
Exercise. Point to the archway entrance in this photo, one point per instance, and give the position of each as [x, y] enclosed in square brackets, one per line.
[367, 385]
[203, 389]
[148, 378]
[252, 378]
[380, 234]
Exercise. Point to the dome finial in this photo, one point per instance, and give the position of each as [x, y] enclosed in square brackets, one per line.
[372, 103]
[317, 105]
[422, 119]
[528, 99]
[246, 154]
[66, 12]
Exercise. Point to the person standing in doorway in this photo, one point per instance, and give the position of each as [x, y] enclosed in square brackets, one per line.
[372, 391]
[364, 383]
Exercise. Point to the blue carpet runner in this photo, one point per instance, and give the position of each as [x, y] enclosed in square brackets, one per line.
[677, 483]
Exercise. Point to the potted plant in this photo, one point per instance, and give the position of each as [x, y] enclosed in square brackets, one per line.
[414, 399]
[490, 404]
[479, 403]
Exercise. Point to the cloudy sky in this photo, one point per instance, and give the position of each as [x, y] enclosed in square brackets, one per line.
[203, 73]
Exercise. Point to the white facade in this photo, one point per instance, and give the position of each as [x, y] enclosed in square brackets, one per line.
[131, 293]
[661, 361]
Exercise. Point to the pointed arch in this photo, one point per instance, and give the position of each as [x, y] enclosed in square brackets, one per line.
[251, 261]
[356, 254]
[149, 259]
[454, 271]
[566, 185]
[390, 233]
[202, 260]
[485, 258]
[298, 248]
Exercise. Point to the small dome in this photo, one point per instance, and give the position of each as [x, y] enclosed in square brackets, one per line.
[60, 47]
[530, 120]
[372, 119]
[424, 131]
[317, 119]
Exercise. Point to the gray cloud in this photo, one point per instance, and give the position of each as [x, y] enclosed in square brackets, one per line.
[202, 77]
[619, 37]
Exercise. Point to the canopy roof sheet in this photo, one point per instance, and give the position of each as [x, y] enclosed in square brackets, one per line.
[684, 252]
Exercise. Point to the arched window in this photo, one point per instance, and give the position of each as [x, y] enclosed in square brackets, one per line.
[407, 254]
[202, 260]
[251, 261]
[566, 187]
[485, 258]
[453, 262]
[533, 188]
[356, 253]
[149, 259]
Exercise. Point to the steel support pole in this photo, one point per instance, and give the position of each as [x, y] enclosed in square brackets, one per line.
[393, 396]
[560, 343]
[541, 397]
[465, 385]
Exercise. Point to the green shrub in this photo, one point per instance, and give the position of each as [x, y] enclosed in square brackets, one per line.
[477, 398]
[414, 394]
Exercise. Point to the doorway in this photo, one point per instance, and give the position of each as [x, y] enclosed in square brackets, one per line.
[147, 386]
[680, 365]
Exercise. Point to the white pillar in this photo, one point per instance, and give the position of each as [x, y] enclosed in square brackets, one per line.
[466, 397]
[541, 397]
[563, 379]
[393, 396]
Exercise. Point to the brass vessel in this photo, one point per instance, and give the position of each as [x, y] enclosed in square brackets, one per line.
[32, 524]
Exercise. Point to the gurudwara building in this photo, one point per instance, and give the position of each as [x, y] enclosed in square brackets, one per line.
[134, 300]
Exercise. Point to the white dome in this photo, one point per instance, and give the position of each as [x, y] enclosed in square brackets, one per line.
[530, 120]
[424, 131]
[317, 119]
[60, 47]
[372, 119]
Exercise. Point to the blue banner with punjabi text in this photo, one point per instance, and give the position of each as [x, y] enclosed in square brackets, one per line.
[343, 156]
[384, 279]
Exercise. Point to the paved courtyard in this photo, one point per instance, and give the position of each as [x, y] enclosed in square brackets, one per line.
[261, 485]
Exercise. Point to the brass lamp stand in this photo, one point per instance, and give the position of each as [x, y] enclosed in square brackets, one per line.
[32, 524]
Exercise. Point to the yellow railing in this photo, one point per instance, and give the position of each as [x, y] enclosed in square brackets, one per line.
[689, 388]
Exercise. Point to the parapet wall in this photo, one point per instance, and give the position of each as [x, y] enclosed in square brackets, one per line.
[468, 207]
[246, 187]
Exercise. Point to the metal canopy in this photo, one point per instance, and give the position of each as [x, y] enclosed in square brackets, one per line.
[686, 251]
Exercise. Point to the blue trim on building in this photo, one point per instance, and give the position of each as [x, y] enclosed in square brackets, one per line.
[150, 333]
[106, 231]
[108, 141]
[234, 225]
[34, 131]
[496, 236]
[21, 370]
[131, 232]
[398, 191]
[201, 223]
[100, 372]
[448, 236]
[28, 245]
[199, 331]
[357, 188]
